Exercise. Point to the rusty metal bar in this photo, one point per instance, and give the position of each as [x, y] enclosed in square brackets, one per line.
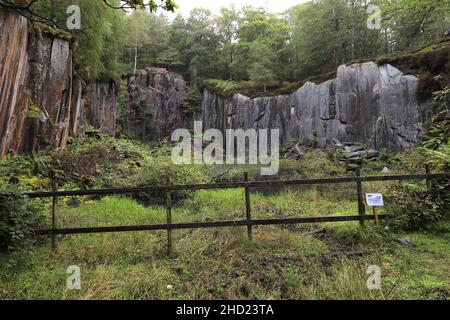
[207, 224]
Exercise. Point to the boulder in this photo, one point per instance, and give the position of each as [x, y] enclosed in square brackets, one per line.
[360, 154]
[296, 152]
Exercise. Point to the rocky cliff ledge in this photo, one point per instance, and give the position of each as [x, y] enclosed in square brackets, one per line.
[41, 102]
[365, 103]
[154, 108]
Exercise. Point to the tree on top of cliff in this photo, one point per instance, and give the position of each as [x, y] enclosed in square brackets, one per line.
[416, 21]
[143, 45]
[261, 70]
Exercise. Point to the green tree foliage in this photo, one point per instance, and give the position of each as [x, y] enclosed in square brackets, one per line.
[146, 37]
[262, 71]
[436, 144]
[175, 53]
[259, 26]
[150, 5]
[99, 43]
[327, 33]
[227, 26]
[193, 101]
[19, 217]
[415, 22]
[203, 46]
[308, 39]
[97, 46]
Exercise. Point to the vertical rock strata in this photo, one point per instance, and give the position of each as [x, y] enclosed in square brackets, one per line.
[364, 103]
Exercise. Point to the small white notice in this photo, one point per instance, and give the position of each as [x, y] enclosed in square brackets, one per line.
[374, 199]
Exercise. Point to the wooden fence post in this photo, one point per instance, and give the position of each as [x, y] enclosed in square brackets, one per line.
[428, 171]
[54, 218]
[248, 212]
[361, 207]
[169, 222]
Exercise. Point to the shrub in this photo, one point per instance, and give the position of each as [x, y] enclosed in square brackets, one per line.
[19, 217]
[414, 207]
[155, 171]
[161, 171]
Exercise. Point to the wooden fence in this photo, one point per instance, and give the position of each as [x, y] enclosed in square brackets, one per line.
[248, 222]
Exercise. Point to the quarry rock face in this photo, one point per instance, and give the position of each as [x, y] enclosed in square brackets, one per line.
[50, 88]
[100, 106]
[154, 103]
[365, 103]
[41, 103]
[13, 80]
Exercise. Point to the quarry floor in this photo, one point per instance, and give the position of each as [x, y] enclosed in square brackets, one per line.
[320, 261]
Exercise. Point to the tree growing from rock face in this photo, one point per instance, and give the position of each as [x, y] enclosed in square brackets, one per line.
[261, 71]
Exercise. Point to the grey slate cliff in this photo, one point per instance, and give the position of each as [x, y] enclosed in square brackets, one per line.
[154, 108]
[365, 103]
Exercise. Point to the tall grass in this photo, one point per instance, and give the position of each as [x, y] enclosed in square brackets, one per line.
[220, 263]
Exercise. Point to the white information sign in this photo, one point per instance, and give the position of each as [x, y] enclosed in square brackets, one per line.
[374, 199]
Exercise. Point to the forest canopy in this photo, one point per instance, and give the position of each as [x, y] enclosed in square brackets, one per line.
[247, 44]
[265, 48]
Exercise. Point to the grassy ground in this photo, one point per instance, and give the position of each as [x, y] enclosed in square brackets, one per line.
[321, 261]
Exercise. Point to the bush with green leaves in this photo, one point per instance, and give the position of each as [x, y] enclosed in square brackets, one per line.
[162, 171]
[415, 207]
[19, 217]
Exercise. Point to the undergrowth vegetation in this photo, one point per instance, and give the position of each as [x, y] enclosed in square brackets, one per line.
[19, 217]
[308, 261]
[321, 261]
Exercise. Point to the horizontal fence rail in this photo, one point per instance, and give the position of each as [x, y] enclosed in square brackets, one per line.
[248, 222]
[231, 185]
[207, 224]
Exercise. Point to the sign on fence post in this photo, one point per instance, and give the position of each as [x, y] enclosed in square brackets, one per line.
[375, 200]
